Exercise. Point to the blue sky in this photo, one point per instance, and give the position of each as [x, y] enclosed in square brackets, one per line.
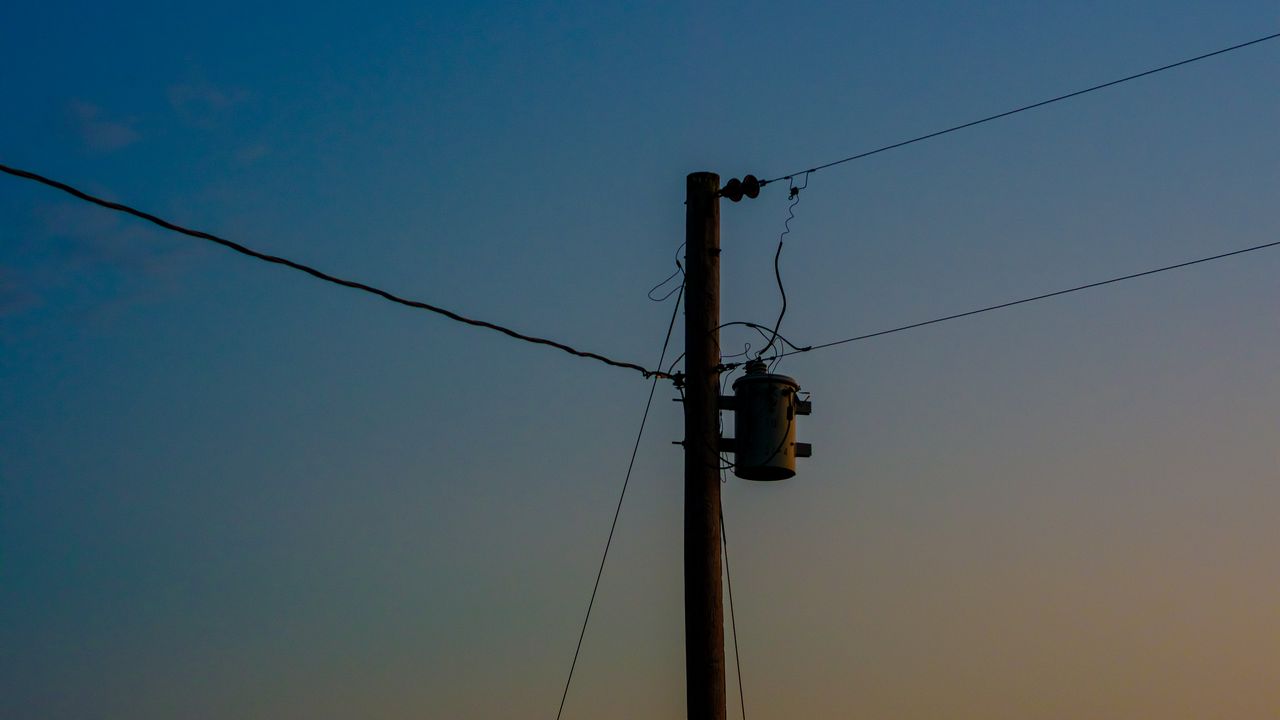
[229, 490]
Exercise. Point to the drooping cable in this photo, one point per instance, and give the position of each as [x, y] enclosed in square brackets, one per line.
[621, 496]
[119, 207]
[679, 272]
[1044, 296]
[1024, 108]
[657, 287]
[761, 329]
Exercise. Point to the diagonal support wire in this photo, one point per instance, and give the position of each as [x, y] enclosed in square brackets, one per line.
[618, 510]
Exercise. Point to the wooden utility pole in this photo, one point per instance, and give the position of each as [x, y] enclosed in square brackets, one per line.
[703, 608]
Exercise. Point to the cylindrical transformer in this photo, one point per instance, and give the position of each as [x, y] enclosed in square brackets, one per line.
[765, 409]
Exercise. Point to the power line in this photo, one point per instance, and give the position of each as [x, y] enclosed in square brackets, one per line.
[618, 510]
[1045, 296]
[1024, 108]
[118, 207]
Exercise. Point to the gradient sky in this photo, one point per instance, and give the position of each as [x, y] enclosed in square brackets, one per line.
[228, 490]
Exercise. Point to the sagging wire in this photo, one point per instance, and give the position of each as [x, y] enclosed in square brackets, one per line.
[764, 332]
[794, 194]
[319, 274]
[673, 290]
[679, 271]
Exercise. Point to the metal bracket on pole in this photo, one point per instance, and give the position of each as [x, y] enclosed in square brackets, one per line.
[729, 445]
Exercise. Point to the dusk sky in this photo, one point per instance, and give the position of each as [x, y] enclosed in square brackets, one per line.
[228, 490]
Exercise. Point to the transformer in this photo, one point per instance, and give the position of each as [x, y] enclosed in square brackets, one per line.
[765, 409]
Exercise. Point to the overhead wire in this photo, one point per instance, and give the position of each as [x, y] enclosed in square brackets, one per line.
[119, 207]
[1024, 108]
[635, 449]
[1033, 298]
[318, 274]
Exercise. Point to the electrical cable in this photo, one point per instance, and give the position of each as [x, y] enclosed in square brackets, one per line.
[733, 621]
[118, 207]
[761, 329]
[679, 271]
[670, 277]
[777, 273]
[764, 333]
[1045, 296]
[618, 510]
[1024, 108]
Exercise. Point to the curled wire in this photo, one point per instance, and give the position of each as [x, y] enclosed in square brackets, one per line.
[664, 282]
[777, 273]
[679, 271]
[765, 333]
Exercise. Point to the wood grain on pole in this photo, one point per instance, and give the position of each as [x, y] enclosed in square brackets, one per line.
[703, 608]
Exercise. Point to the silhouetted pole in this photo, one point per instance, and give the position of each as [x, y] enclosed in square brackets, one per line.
[703, 609]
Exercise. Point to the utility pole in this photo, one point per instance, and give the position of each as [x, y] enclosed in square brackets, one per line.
[703, 604]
